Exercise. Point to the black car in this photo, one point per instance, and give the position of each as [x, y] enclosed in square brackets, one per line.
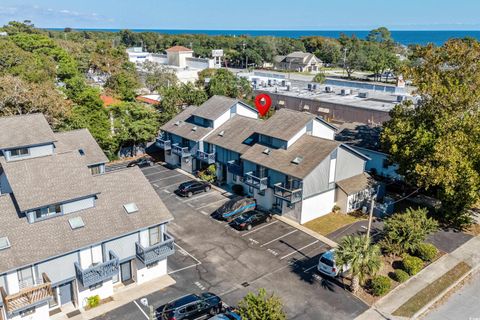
[188, 189]
[192, 307]
[142, 162]
[247, 220]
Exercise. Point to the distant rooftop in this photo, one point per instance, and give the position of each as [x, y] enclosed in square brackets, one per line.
[179, 49]
[359, 135]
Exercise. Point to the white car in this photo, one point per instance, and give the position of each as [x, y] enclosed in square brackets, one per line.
[328, 266]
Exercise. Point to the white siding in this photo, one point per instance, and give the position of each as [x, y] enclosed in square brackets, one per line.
[317, 206]
[12, 282]
[85, 258]
[41, 313]
[144, 240]
[97, 254]
[321, 130]
[297, 136]
[331, 176]
[265, 201]
[123, 247]
[222, 119]
[317, 181]
[376, 162]
[242, 110]
[34, 152]
[78, 205]
[349, 164]
[59, 269]
[145, 274]
[105, 291]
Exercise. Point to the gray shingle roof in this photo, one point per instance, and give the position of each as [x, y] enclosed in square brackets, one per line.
[180, 127]
[214, 107]
[47, 180]
[80, 139]
[312, 149]
[356, 183]
[285, 124]
[31, 243]
[360, 135]
[24, 130]
[235, 131]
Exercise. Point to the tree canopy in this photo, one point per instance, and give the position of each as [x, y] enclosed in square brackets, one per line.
[261, 306]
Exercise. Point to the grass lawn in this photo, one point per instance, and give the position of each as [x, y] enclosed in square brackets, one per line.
[418, 301]
[331, 222]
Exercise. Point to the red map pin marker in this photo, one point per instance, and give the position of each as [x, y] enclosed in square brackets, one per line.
[263, 103]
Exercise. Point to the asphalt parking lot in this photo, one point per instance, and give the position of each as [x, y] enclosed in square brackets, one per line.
[212, 256]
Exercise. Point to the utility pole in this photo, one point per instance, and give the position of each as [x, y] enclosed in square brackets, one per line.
[344, 59]
[370, 216]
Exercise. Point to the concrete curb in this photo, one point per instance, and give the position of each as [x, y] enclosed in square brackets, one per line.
[444, 292]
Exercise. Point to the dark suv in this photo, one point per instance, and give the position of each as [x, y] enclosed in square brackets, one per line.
[142, 162]
[192, 307]
[188, 189]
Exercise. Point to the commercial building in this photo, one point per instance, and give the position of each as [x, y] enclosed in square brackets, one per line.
[290, 163]
[178, 58]
[68, 230]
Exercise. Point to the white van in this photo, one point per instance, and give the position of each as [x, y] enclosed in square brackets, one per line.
[328, 266]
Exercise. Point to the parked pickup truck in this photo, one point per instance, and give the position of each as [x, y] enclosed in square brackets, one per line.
[235, 207]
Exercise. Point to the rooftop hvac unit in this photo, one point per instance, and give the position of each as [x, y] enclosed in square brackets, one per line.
[328, 89]
[401, 98]
[346, 92]
[270, 82]
[284, 83]
[288, 87]
[309, 87]
[314, 86]
[363, 94]
[288, 83]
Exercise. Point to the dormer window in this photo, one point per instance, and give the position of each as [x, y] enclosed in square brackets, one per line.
[20, 152]
[48, 212]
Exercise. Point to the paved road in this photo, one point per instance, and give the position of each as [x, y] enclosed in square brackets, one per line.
[211, 256]
[463, 305]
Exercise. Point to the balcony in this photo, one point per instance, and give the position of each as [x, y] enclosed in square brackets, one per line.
[182, 152]
[206, 157]
[27, 297]
[292, 195]
[164, 143]
[97, 273]
[156, 252]
[255, 182]
[235, 168]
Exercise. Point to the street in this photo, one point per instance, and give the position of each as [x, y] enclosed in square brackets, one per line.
[211, 256]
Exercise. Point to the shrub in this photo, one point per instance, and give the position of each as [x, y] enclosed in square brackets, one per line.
[412, 265]
[426, 251]
[380, 285]
[400, 276]
[238, 189]
[93, 301]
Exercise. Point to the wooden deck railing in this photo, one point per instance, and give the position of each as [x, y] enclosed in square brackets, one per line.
[28, 296]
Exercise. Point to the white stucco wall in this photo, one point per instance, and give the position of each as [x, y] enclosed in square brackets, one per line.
[12, 282]
[105, 291]
[145, 274]
[41, 313]
[297, 136]
[242, 110]
[317, 206]
[222, 119]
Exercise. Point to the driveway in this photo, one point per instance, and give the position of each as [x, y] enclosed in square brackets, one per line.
[211, 256]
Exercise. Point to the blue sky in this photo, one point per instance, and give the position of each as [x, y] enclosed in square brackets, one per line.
[247, 14]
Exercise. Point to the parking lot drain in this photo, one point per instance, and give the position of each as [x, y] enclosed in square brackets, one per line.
[245, 284]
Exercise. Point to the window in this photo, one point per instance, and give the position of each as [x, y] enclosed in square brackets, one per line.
[95, 170]
[154, 235]
[48, 211]
[20, 152]
[25, 277]
[95, 286]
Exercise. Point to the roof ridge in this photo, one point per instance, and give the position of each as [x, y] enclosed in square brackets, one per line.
[24, 115]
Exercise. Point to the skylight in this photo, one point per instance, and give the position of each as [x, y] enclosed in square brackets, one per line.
[76, 223]
[4, 243]
[249, 141]
[297, 160]
[130, 207]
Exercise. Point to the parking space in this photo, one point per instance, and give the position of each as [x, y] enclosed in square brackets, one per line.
[212, 256]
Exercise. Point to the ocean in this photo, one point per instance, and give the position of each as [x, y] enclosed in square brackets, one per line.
[403, 37]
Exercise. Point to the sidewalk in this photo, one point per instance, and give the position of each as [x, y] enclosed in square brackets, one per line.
[314, 234]
[121, 297]
[384, 308]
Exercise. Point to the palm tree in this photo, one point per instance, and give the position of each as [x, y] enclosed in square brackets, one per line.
[361, 256]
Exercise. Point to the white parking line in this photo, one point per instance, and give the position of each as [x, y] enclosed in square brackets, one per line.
[267, 225]
[204, 213]
[198, 261]
[156, 172]
[170, 185]
[184, 268]
[198, 197]
[143, 312]
[175, 175]
[298, 250]
[208, 205]
[166, 191]
[308, 270]
[283, 236]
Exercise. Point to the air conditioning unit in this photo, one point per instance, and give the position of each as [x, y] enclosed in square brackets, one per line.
[314, 86]
[288, 87]
[363, 94]
[346, 92]
[284, 83]
[401, 98]
[328, 89]
[309, 87]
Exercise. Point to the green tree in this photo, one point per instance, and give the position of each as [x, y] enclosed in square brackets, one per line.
[381, 35]
[225, 83]
[354, 54]
[261, 306]
[361, 256]
[319, 77]
[406, 231]
[123, 85]
[159, 76]
[437, 142]
[134, 124]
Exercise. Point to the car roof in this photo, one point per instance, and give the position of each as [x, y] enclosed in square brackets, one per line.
[189, 183]
[185, 300]
[330, 255]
